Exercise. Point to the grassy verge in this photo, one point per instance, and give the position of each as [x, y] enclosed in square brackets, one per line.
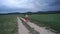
[49, 20]
[8, 24]
[32, 31]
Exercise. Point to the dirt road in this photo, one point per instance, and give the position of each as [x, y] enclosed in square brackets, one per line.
[41, 30]
[21, 28]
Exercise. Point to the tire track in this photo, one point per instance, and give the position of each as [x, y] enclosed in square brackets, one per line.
[21, 28]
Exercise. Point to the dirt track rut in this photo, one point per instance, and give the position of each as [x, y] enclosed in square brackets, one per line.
[21, 28]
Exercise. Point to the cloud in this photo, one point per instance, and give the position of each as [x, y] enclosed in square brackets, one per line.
[31, 5]
[18, 3]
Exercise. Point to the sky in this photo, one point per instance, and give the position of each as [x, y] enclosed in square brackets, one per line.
[7, 6]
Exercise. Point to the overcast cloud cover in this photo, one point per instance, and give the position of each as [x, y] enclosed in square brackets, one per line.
[28, 5]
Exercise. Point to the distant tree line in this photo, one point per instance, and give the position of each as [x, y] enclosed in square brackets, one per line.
[38, 12]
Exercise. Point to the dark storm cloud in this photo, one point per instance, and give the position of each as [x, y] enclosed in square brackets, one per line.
[32, 5]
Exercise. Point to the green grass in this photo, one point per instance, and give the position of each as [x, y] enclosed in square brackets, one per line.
[50, 20]
[8, 24]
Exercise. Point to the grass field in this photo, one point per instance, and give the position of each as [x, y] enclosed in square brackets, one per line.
[50, 20]
[8, 24]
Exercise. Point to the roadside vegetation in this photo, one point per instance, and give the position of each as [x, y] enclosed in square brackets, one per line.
[48, 20]
[8, 24]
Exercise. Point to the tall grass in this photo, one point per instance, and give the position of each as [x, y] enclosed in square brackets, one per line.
[8, 24]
